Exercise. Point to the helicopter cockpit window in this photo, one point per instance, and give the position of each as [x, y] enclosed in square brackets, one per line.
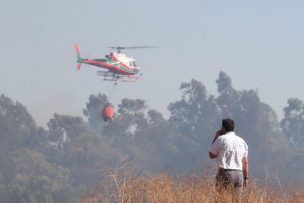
[134, 64]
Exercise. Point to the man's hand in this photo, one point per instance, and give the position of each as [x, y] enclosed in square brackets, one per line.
[245, 183]
[219, 132]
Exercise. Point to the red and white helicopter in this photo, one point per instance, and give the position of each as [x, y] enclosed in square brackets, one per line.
[118, 65]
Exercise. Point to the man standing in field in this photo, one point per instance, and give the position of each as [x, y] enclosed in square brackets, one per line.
[231, 153]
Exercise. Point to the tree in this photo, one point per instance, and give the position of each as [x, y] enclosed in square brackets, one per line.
[293, 123]
[79, 149]
[17, 127]
[130, 122]
[196, 114]
[228, 99]
[94, 109]
[194, 119]
[36, 180]
[63, 129]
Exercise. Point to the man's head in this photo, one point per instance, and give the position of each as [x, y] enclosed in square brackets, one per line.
[228, 124]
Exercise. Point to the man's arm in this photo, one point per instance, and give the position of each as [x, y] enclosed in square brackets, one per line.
[217, 134]
[245, 170]
[213, 155]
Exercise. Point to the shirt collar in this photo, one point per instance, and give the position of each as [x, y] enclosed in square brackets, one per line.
[230, 133]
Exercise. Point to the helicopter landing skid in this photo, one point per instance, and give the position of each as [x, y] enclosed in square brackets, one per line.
[108, 76]
[129, 78]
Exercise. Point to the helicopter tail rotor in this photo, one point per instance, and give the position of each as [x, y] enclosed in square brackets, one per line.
[79, 59]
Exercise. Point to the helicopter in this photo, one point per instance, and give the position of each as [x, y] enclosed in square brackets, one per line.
[117, 65]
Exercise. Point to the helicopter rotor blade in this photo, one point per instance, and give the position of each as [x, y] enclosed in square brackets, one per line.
[133, 47]
[141, 47]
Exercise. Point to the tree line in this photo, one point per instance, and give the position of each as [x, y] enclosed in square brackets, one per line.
[63, 161]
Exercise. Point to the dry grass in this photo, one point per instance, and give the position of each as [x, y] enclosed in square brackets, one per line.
[124, 186]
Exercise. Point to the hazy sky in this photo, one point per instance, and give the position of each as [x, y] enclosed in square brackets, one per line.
[259, 44]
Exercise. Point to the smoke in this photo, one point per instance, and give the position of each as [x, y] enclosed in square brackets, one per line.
[43, 109]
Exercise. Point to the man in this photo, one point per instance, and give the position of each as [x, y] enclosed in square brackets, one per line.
[231, 153]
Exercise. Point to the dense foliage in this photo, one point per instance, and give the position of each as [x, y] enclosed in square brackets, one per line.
[62, 162]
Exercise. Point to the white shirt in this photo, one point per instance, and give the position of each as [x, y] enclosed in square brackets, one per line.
[230, 149]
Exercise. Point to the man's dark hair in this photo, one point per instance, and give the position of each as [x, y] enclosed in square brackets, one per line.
[228, 124]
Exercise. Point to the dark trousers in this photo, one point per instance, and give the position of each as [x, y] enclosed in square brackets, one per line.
[230, 181]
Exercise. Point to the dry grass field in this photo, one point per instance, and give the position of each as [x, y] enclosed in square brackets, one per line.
[126, 187]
